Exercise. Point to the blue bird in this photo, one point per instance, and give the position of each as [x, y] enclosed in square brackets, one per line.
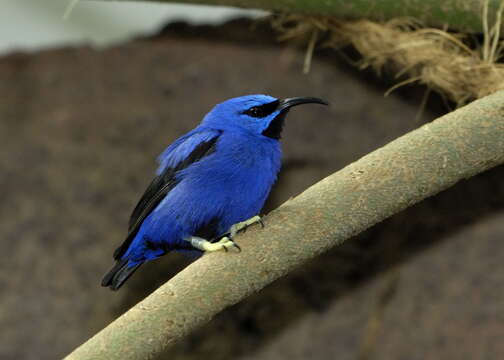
[211, 183]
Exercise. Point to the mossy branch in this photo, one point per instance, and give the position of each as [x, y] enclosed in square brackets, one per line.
[415, 166]
[461, 15]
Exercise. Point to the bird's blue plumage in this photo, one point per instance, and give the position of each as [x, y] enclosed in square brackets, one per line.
[183, 146]
[216, 175]
[230, 185]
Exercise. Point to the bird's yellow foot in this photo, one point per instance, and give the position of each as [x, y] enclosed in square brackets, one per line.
[236, 228]
[225, 243]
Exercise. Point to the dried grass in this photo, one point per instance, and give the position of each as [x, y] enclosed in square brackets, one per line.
[443, 61]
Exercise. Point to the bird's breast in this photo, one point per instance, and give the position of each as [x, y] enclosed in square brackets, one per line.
[252, 154]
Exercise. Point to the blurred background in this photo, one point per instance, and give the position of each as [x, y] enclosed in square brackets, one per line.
[87, 104]
[35, 25]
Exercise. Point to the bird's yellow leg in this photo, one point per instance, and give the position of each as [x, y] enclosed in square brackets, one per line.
[233, 230]
[224, 243]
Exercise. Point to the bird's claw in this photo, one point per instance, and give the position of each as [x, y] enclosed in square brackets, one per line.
[225, 243]
[228, 243]
[237, 246]
[243, 225]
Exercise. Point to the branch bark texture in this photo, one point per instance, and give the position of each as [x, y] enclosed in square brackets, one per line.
[461, 15]
[415, 166]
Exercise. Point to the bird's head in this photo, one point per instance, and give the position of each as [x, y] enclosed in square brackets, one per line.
[258, 114]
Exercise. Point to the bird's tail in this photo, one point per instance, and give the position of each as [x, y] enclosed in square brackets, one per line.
[118, 275]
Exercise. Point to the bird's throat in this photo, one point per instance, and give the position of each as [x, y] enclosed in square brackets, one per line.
[275, 127]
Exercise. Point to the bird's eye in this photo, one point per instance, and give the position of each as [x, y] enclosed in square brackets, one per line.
[262, 110]
[253, 111]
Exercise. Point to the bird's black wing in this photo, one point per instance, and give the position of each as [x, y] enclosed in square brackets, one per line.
[160, 187]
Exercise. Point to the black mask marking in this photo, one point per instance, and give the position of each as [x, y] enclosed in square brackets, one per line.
[262, 110]
[274, 129]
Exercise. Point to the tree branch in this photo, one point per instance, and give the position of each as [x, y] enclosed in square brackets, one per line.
[417, 165]
[460, 15]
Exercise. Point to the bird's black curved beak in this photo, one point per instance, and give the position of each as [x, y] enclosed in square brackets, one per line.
[275, 127]
[290, 102]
